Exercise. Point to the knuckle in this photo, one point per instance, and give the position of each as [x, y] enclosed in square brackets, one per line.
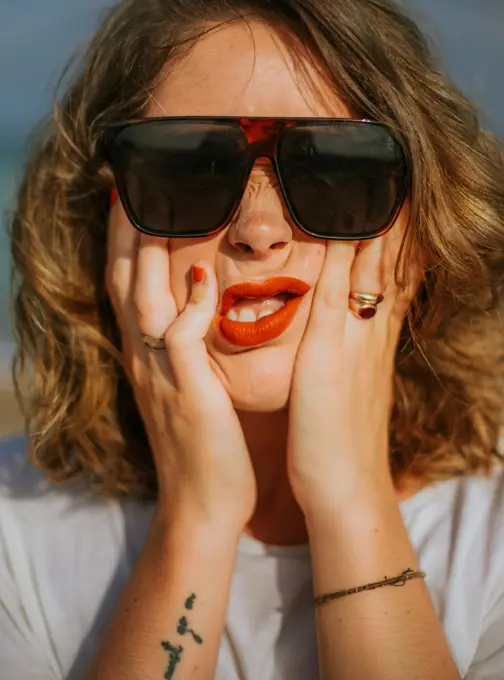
[180, 350]
[145, 308]
[199, 296]
[177, 343]
[334, 299]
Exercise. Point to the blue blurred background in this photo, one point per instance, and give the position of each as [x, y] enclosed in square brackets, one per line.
[37, 37]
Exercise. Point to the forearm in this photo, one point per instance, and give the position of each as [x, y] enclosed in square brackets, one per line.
[390, 633]
[146, 638]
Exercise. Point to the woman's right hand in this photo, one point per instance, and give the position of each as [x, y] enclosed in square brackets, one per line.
[202, 461]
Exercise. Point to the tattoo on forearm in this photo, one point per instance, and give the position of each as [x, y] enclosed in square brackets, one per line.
[183, 628]
[175, 655]
[175, 651]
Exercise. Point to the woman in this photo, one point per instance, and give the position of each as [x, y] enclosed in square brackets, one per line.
[260, 260]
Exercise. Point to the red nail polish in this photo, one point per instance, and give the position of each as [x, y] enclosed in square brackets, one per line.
[198, 274]
[114, 197]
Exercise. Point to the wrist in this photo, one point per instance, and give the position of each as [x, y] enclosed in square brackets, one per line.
[187, 526]
[359, 499]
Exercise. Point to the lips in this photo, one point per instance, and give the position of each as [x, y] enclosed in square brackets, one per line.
[253, 333]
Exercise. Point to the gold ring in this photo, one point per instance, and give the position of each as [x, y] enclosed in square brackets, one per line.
[364, 305]
[367, 298]
[157, 344]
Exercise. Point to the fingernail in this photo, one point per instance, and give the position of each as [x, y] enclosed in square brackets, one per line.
[198, 274]
[114, 197]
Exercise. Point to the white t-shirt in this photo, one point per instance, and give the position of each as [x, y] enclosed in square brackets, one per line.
[64, 559]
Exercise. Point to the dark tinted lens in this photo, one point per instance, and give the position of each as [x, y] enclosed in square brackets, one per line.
[343, 180]
[180, 178]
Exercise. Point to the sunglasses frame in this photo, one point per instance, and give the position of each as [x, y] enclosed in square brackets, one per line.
[263, 135]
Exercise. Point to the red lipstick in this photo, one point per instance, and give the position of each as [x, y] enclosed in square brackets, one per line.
[253, 333]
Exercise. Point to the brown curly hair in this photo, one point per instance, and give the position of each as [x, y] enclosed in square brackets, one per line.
[68, 370]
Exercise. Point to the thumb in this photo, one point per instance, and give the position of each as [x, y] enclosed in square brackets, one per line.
[185, 337]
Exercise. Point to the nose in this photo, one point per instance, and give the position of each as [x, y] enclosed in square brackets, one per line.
[261, 226]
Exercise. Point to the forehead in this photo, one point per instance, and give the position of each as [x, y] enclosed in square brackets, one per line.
[244, 69]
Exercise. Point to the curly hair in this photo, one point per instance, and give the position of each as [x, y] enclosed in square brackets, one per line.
[69, 373]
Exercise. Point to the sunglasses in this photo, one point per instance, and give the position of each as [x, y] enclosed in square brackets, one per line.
[341, 179]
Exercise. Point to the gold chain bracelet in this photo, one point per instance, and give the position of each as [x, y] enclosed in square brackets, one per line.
[407, 575]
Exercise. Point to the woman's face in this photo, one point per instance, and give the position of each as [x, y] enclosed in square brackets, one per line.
[246, 70]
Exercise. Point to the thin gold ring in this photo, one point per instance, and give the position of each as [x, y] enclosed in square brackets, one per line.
[364, 306]
[156, 344]
[366, 298]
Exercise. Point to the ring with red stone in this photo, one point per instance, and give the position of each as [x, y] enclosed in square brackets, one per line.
[364, 305]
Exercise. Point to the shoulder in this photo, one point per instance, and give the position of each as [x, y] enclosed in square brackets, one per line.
[14, 465]
[32, 507]
[470, 503]
[56, 524]
[464, 517]
[481, 514]
[24, 489]
[457, 529]
[42, 521]
[479, 507]
[28, 494]
[64, 558]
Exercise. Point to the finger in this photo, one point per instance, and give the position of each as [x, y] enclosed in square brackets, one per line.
[154, 301]
[408, 287]
[185, 338]
[122, 245]
[330, 302]
[122, 248]
[375, 265]
[374, 269]
[400, 283]
[370, 269]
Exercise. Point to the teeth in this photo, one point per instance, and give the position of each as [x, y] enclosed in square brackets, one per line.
[247, 315]
[267, 312]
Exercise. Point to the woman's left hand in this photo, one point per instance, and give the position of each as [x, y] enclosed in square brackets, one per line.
[342, 388]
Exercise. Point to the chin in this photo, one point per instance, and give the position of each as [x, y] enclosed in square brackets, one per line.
[258, 380]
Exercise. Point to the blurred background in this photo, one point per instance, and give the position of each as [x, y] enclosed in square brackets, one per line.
[37, 38]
